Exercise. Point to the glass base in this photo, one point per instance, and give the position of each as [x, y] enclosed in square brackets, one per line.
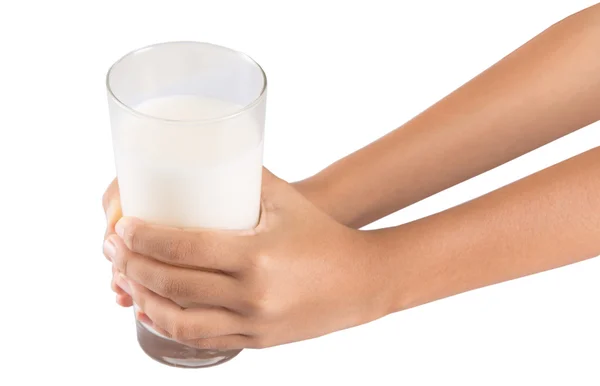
[171, 353]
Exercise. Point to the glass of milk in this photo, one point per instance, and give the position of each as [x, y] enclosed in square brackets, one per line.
[187, 124]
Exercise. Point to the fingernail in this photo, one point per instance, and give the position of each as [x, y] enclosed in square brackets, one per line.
[142, 317]
[120, 227]
[122, 282]
[110, 250]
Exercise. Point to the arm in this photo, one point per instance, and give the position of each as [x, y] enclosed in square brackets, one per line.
[299, 274]
[545, 221]
[546, 89]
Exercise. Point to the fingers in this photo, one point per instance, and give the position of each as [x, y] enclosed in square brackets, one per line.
[184, 286]
[112, 209]
[217, 250]
[113, 284]
[122, 298]
[221, 343]
[183, 324]
[113, 215]
[108, 248]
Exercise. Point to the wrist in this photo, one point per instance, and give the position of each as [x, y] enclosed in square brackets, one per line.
[334, 197]
[382, 271]
[319, 192]
[395, 271]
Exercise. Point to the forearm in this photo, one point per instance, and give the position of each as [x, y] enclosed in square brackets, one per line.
[544, 90]
[544, 221]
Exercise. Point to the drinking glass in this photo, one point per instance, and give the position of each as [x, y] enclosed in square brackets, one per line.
[187, 121]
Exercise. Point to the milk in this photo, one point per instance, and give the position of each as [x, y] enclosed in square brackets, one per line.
[201, 173]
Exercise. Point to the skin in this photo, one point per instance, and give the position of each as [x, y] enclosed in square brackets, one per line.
[306, 270]
[544, 90]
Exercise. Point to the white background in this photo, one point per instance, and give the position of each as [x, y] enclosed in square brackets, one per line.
[341, 74]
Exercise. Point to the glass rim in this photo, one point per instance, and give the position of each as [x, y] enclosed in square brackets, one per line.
[240, 111]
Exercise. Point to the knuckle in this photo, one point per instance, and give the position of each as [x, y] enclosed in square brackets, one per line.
[169, 287]
[260, 263]
[203, 330]
[121, 260]
[261, 306]
[131, 234]
[260, 299]
[178, 328]
[179, 249]
[208, 290]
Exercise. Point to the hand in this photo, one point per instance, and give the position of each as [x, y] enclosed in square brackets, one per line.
[111, 203]
[297, 275]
